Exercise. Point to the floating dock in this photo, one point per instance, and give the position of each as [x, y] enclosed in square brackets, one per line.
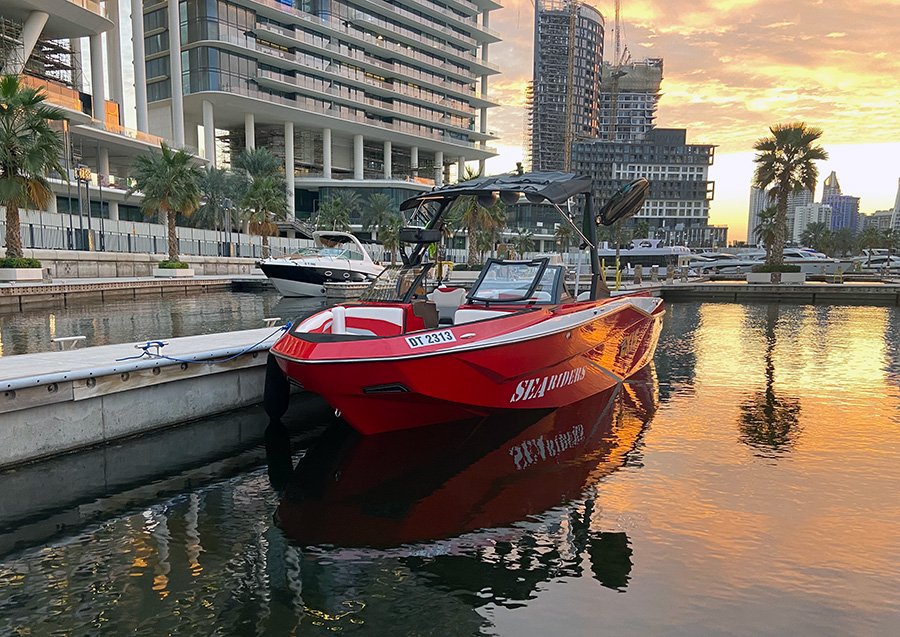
[54, 402]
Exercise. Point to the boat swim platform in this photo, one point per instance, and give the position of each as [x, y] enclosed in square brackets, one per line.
[56, 402]
[16, 297]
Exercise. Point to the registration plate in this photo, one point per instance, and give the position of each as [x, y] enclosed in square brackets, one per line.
[432, 338]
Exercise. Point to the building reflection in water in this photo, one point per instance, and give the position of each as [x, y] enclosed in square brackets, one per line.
[483, 510]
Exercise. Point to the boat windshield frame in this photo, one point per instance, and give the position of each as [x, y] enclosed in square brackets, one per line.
[397, 285]
[495, 267]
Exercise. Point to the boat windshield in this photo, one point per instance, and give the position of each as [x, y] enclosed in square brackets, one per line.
[397, 285]
[512, 281]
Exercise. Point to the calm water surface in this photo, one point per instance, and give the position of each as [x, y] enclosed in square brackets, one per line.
[152, 318]
[748, 484]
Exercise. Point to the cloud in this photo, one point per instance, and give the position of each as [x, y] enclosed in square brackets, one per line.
[734, 67]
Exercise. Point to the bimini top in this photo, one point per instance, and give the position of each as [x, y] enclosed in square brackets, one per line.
[555, 187]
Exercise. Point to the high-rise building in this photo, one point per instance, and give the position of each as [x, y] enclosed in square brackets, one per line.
[363, 94]
[48, 46]
[637, 98]
[806, 214]
[844, 208]
[880, 219]
[844, 211]
[759, 201]
[895, 218]
[830, 186]
[680, 189]
[563, 102]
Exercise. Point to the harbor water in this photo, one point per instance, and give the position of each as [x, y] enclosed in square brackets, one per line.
[150, 318]
[748, 483]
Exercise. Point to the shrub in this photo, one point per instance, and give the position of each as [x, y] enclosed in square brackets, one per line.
[784, 267]
[173, 265]
[19, 262]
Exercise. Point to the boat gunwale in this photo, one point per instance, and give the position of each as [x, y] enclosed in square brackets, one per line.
[658, 312]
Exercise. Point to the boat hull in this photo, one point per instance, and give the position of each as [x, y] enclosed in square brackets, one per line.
[298, 280]
[546, 360]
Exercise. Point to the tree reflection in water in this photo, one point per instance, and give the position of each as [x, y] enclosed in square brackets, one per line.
[770, 422]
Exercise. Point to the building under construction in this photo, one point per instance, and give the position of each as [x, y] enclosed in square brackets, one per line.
[563, 100]
[636, 92]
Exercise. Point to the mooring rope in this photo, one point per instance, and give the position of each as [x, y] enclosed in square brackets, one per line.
[158, 345]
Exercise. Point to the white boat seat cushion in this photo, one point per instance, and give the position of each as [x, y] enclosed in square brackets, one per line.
[447, 300]
[374, 321]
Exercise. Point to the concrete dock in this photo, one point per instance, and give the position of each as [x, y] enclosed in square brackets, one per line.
[63, 292]
[55, 402]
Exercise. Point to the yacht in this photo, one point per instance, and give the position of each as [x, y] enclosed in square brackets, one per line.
[646, 253]
[338, 257]
[810, 261]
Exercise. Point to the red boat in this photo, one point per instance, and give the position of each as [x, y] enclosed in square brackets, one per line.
[518, 341]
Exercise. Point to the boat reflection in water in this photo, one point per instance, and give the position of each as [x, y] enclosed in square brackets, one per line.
[468, 483]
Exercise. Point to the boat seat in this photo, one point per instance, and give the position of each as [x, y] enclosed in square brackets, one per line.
[427, 311]
[447, 300]
[467, 315]
[369, 321]
[317, 323]
[541, 297]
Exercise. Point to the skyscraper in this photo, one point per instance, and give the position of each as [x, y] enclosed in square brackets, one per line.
[361, 94]
[844, 208]
[759, 201]
[564, 99]
[830, 186]
[895, 218]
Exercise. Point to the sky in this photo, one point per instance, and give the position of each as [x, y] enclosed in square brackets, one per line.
[732, 68]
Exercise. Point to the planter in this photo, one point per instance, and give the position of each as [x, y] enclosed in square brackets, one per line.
[791, 278]
[173, 272]
[21, 274]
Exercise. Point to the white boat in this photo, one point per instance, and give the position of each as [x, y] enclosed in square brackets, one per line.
[338, 257]
[810, 261]
[877, 260]
[646, 253]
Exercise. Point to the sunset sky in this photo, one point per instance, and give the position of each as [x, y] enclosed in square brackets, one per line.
[731, 69]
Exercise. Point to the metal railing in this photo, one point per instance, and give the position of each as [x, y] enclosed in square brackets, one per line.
[98, 239]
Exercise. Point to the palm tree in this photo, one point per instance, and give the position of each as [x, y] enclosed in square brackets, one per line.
[170, 183]
[219, 189]
[817, 235]
[483, 242]
[869, 238]
[29, 151]
[258, 162]
[474, 216]
[523, 242]
[265, 201]
[379, 209]
[335, 211]
[843, 241]
[765, 230]
[786, 163]
[389, 234]
[641, 229]
[564, 235]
